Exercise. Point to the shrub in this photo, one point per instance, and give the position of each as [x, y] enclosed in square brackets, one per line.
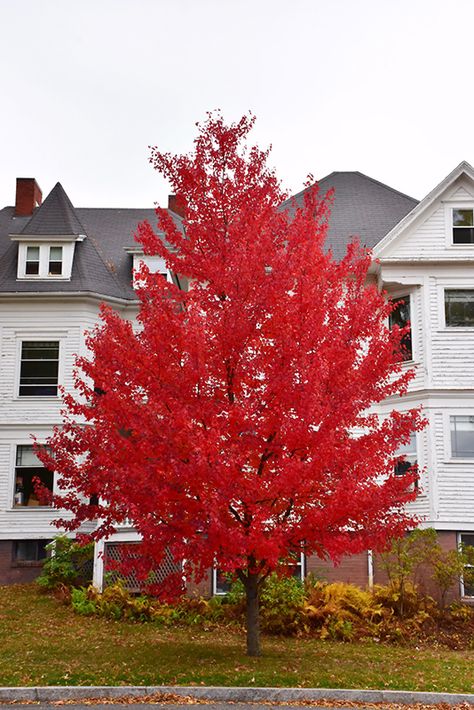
[65, 564]
[282, 605]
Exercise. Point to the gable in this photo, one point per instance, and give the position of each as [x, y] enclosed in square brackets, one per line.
[428, 233]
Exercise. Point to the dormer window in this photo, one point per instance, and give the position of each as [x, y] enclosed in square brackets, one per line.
[463, 226]
[32, 265]
[45, 261]
[55, 261]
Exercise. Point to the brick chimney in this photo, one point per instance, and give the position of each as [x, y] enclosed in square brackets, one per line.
[175, 206]
[28, 196]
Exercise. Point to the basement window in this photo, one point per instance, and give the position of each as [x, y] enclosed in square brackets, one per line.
[467, 541]
[29, 553]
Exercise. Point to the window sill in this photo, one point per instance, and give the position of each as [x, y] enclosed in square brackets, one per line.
[43, 278]
[37, 398]
[457, 329]
[459, 460]
[27, 563]
[30, 507]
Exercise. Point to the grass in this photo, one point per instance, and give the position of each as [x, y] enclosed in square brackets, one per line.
[44, 643]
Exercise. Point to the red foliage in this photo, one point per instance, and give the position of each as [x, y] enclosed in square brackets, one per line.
[235, 426]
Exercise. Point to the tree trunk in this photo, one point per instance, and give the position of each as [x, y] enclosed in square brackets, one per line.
[252, 618]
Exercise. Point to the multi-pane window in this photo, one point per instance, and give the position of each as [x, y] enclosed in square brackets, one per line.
[39, 368]
[45, 261]
[408, 451]
[467, 540]
[459, 307]
[32, 263]
[463, 226]
[31, 478]
[55, 266]
[400, 316]
[462, 436]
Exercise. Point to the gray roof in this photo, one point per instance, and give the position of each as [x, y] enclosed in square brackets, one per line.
[101, 264]
[56, 216]
[362, 207]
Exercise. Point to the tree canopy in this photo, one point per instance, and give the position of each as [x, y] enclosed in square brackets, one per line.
[235, 427]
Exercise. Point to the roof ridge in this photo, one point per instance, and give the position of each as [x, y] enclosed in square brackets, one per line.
[383, 184]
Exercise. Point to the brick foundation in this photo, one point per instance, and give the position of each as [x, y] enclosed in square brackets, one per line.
[352, 569]
[15, 572]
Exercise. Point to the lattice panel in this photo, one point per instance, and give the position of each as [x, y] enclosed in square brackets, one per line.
[114, 552]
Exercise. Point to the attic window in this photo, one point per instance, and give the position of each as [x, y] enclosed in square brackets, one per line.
[32, 261]
[45, 261]
[463, 226]
[55, 261]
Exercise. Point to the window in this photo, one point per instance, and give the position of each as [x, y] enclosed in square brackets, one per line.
[400, 316]
[55, 261]
[32, 261]
[39, 368]
[467, 541]
[462, 437]
[30, 552]
[463, 226]
[408, 451]
[45, 261]
[459, 308]
[29, 471]
[221, 583]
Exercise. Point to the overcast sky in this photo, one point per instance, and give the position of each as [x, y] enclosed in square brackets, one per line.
[380, 86]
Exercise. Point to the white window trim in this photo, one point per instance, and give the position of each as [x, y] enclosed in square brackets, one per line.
[449, 458]
[38, 337]
[44, 252]
[448, 215]
[445, 284]
[466, 286]
[400, 294]
[414, 459]
[156, 264]
[12, 482]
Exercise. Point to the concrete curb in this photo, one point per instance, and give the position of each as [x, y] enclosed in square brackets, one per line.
[233, 694]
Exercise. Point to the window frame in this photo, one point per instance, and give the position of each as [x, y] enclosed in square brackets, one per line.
[301, 563]
[446, 325]
[451, 457]
[452, 209]
[404, 295]
[413, 459]
[44, 274]
[461, 585]
[38, 561]
[35, 338]
[15, 467]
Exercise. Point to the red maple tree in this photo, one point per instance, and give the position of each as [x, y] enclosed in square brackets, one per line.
[234, 427]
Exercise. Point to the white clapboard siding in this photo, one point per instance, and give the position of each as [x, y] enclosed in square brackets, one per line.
[454, 480]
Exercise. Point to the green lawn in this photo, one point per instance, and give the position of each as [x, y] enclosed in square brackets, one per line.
[44, 643]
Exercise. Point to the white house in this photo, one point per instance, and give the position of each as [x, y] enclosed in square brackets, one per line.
[58, 263]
